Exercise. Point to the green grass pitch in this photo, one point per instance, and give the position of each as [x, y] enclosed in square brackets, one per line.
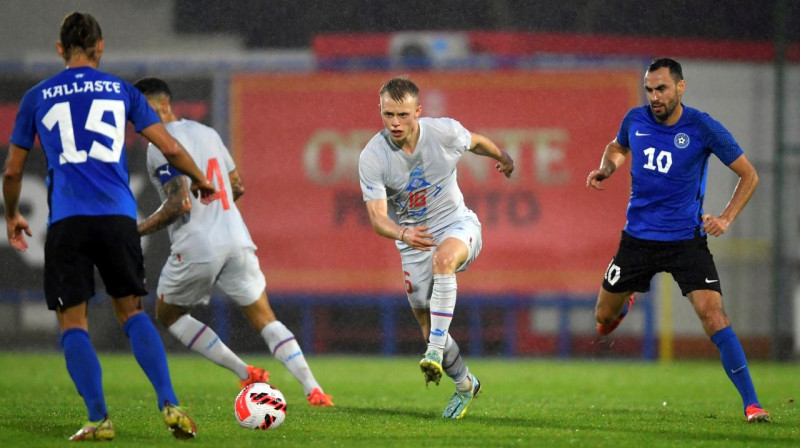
[382, 402]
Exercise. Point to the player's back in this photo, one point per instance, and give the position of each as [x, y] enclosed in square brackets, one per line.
[211, 230]
[80, 116]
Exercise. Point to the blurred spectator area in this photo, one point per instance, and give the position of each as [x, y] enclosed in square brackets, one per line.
[293, 23]
[207, 28]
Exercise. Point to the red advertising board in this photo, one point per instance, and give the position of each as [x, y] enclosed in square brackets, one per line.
[297, 139]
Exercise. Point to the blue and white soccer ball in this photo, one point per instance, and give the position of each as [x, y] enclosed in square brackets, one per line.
[260, 406]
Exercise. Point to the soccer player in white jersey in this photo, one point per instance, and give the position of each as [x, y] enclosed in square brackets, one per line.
[410, 169]
[79, 116]
[222, 256]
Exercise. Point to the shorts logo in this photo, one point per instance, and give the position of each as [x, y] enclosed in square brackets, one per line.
[681, 140]
[612, 273]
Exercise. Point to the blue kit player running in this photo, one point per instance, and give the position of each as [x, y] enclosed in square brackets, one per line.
[80, 116]
[669, 145]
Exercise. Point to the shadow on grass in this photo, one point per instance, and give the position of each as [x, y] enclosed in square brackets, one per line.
[624, 421]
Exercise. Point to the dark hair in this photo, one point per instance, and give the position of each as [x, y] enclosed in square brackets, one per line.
[399, 88]
[674, 67]
[153, 86]
[80, 32]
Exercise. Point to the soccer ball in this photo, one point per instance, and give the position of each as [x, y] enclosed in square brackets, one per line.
[260, 406]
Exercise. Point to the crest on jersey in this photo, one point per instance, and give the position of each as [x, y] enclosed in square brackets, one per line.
[681, 140]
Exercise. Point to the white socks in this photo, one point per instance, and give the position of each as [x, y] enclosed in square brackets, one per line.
[202, 339]
[443, 302]
[454, 366]
[285, 349]
[281, 342]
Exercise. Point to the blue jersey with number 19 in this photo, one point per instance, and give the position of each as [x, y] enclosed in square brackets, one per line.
[669, 165]
[80, 116]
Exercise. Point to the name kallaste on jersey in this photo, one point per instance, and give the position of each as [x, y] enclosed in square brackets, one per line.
[80, 87]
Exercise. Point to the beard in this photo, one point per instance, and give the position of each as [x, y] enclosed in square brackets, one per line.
[665, 114]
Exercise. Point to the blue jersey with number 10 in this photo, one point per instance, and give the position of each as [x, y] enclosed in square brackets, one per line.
[80, 116]
[669, 165]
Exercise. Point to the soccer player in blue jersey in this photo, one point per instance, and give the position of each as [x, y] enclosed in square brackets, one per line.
[669, 145]
[80, 116]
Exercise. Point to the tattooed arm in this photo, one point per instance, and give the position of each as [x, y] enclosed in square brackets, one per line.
[176, 204]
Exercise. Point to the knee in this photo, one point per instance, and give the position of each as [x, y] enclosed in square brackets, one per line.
[127, 307]
[444, 263]
[713, 319]
[124, 316]
[604, 314]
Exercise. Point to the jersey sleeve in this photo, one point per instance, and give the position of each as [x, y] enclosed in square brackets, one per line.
[461, 136]
[140, 113]
[457, 136]
[24, 133]
[622, 135]
[370, 176]
[719, 140]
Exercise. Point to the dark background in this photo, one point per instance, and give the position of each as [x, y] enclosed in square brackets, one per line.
[264, 24]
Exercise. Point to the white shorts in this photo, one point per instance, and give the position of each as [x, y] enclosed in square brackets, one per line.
[418, 265]
[238, 276]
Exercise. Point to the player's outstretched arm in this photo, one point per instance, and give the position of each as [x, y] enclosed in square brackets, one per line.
[178, 157]
[484, 147]
[613, 157]
[748, 181]
[12, 187]
[176, 204]
[416, 237]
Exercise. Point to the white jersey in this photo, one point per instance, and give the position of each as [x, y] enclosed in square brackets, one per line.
[420, 188]
[209, 231]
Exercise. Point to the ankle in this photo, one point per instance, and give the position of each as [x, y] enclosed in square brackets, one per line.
[464, 385]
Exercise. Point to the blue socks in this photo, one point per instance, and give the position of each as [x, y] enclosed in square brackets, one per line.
[84, 369]
[735, 364]
[149, 351]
